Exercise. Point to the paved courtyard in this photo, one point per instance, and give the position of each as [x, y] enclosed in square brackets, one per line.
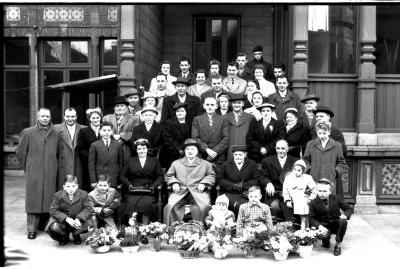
[370, 241]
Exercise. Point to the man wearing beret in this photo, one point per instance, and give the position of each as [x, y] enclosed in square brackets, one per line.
[258, 59]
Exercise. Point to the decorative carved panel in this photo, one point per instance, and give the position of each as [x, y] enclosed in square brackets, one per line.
[63, 14]
[113, 14]
[13, 14]
[391, 179]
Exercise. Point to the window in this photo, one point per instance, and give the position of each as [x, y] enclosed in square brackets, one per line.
[16, 86]
[215, 38]
[331, 39]
[387, 40]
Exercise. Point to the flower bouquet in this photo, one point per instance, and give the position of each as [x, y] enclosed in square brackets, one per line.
[305, 240]
[252, 238]
[219, 240]
[100, 240]
[281, 236]
[186, 239]
[155, 233]
[129, 239]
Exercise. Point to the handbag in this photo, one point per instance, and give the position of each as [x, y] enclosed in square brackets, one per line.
[140, 190]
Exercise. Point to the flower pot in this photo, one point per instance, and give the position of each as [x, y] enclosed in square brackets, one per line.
[250, 252]
[279, 256]
[102, 249]
[189, 254]
[221, 254]
[130, 249]
[155, 243]
[305, 251]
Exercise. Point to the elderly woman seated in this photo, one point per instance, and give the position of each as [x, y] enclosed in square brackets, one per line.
[189, 177]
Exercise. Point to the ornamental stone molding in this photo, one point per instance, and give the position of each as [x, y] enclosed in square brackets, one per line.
[13, 14]
[112, 14]
[63, 14]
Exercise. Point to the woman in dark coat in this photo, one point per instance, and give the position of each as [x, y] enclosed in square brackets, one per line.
[141, 175]
[175, 132]
[263, 134]
[295, 133]
[149, 129]
[86, 137]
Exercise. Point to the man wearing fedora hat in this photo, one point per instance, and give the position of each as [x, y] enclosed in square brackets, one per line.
[188, 178]
[310, 102]
[133, 98]
[122, 123]
[181, 96]
[258, 59]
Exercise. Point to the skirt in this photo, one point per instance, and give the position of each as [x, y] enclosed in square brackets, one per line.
[140, 203]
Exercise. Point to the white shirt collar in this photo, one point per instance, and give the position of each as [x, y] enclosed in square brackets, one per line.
[324, 143]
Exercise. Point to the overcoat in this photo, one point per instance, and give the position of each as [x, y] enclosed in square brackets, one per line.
[189, 176]
[238, 131]
[291, 100]
[259, 137]
[297, 138]
[215, 137]
[193, 107]
[86, 137]
[37, 153]
[154, 136]
[325, 162]
[68, 158]
[103, 160]
[336, 134]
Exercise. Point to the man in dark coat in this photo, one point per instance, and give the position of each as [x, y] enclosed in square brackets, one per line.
[216, 89]
[181, 96]
[68, 159]
[184, 66]
[258, 59]
[37, 153]
[273, 172]
[211, 132]
[244, 71]
[310, 102]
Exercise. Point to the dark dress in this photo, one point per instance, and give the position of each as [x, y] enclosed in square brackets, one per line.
[297, 138]
[258, 137]
[149, 176]
[86, 137]
[174, 135]
[154, 136]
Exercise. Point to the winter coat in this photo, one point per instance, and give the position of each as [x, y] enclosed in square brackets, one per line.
[193, 107]
[291, 100]
[37, 153]
[320, 215]
[238, 131]
[154, 136]
[297, 138]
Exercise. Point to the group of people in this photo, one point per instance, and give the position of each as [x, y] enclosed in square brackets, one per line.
[270, 156]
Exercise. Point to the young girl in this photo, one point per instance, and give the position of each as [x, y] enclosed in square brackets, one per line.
[219, 215]
[298, 190]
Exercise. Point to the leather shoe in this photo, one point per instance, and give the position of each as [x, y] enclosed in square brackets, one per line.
[31, 235]
[77, 239]
[64, 240]
[337, 251]
[326, 244]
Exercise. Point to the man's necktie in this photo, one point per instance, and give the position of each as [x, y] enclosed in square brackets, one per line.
[325, 202]
[233, 81]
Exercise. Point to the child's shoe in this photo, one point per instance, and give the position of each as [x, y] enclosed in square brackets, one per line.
[77, 239]
[64, 240]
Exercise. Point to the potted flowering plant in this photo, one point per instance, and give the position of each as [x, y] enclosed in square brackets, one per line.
[129, 239]
[186, 239]
[100, 240]
[155, 233]
[219, 241]
[281, 236]
[305, 240]
[252, 238]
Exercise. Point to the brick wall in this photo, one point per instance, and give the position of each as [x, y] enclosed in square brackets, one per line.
[256, 28]
[148, 42]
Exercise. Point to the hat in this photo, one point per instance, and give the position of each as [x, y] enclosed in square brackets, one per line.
[309, 96]
[148, 94]
[239, 148]
[224, 94]
[181, 80]
[257, 48]
[324, 109]
[301, 163]
[324, 181]
[149, 108]
[190, 142]
[131, 91]
[179, 105]
[291, 109]
[120, 100]
[141, 141]
[222, 199]
[236, 97]
[260, 107]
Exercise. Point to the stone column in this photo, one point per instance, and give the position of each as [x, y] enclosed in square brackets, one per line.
[93, 98]
[33, 79]
[366, 182]
[300, 39]
[127, 48]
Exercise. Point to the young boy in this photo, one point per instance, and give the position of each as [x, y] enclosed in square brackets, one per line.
[105, 201]
[326, 217]
[253, 212]
[69, 212]
[219, 215]
[106, 156]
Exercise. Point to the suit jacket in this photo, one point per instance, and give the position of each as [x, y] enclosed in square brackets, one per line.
[291, 100]
[258, 137]
[272, 172]
[246, 74]
[197, 91]
[336, 135]
[229, 175]
[238, 131]
[154, 136]
[297, 138]
[150, 175]
[215, 137]
[269, 70]
[103, 160]
[68, 158]
[86, 137]
[206, 94]
[193, 108]
[191, 76]
[238, 87]
[304, 120]
[320, 215]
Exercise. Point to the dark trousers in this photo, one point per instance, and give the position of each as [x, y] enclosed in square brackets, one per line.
[279, 209]
[60, 231]
[178, 210]
[36, 221]
[337, 227]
